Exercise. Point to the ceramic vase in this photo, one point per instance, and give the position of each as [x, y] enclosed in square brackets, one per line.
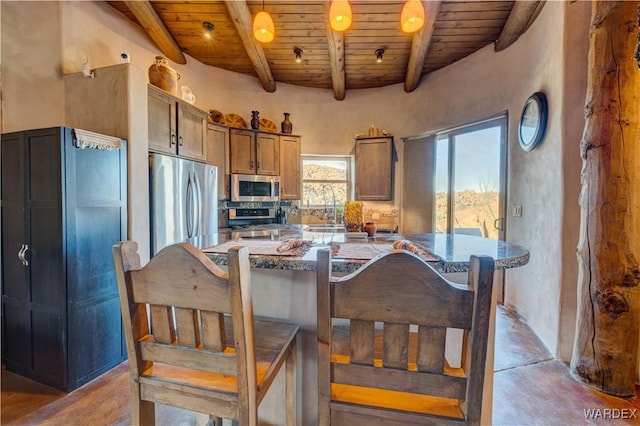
[286, 127]
[163, 76]
[255, 120]
[370, 228]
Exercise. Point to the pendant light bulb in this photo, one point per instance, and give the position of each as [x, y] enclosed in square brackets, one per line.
[298, 54]
[263, 28]
[340, 15]
[379, 55]
[412, 17]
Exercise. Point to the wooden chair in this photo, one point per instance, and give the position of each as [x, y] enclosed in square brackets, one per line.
[387, 367]
[204, 352]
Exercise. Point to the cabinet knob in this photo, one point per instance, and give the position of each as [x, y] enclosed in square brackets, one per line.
[173, 140]
[181, 141]
[251, 164]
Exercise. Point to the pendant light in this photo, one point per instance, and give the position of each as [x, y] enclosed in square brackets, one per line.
[263, 28]
[412, 17]
[340, 15]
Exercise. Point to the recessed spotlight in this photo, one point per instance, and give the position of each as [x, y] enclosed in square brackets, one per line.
[207, 29]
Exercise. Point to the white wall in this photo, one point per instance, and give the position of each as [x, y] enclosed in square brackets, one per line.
[482, 85]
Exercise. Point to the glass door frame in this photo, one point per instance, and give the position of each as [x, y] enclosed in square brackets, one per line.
[500, 121]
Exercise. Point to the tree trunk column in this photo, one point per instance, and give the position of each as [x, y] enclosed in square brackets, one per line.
[608, 324]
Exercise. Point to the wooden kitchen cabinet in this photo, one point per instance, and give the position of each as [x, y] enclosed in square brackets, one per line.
[254, 152]
[63, 207]
[290, 183]
[374, 169]
[176, 127]
[218, 155]
[267, 154]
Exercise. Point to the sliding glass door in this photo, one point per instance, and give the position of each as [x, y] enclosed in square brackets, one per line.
[470, 180]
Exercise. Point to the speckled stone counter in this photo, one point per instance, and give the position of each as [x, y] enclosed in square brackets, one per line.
[453, 250]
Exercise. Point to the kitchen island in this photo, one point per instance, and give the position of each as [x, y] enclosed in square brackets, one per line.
[452, 249]
[284, 286]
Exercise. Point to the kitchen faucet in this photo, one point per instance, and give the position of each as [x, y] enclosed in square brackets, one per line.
[325, 202]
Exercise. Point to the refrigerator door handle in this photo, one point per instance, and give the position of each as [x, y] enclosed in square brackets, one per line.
[197, 205]
[189, 206]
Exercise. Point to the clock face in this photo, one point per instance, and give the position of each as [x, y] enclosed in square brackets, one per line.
[533, 121]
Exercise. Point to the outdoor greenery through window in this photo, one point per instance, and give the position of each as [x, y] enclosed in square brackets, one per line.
[323, 178]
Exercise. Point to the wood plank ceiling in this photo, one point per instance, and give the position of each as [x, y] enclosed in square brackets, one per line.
[330, 60]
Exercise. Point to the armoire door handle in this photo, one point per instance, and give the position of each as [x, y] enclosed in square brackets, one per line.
[21, 254]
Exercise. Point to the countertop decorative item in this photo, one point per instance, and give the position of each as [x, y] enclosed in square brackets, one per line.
[370, 228]
[163, 76]
[187, 95]
[286, 125]
[353, 215]
[533, 121]
[235, 120]
[267, 126]
[255, 120]
[216, 116]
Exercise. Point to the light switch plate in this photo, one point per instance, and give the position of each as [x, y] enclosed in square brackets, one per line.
[517, 210]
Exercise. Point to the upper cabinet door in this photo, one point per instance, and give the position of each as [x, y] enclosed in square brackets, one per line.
[290, 183]
[192, 127]
[218, 155]
[176, 127]
[242, 150]
[163, 135]
[267, 154]
[374, 169]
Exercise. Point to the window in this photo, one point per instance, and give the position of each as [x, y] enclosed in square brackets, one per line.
[324, 176]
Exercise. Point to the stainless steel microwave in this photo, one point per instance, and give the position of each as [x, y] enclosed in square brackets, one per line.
[255, 188]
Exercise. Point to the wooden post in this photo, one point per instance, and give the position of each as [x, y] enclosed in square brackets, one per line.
[608, 324]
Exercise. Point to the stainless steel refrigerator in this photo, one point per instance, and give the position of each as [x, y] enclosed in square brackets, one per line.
[184, 202]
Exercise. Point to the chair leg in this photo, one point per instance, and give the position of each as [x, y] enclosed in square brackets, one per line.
[142, 412]
[290, 387]
[147, 413]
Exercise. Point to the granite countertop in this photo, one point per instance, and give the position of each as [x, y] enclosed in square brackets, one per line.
[453, 250]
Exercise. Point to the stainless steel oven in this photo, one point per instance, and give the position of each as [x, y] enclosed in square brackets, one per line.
[251, 216]
[254, 188]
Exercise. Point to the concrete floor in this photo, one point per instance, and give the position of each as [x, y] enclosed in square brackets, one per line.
[530, 388]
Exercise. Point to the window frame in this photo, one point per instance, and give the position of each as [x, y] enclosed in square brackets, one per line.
[349, 172]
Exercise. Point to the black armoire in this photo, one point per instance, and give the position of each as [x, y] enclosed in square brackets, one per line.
[64, 204]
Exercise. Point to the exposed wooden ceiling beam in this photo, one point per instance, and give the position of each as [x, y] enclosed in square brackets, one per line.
[420, 46]
[522, 15]
[241, 17]
[153, 25]
[335, 44]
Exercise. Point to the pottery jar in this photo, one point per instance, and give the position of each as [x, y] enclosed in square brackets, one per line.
[286, 126]
[370, 228]
[163, 76]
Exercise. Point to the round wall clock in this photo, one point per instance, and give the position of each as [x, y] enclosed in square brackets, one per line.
[533, 121]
